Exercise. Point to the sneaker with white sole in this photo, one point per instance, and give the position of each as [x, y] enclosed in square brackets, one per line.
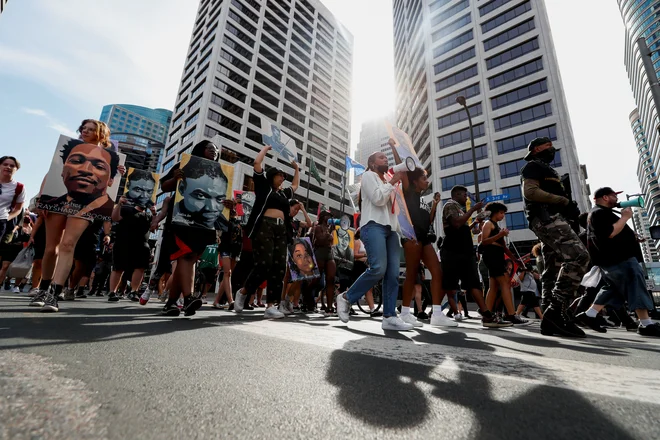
[34, 292]
[15, 290]
[144, 299]
[283, 308]
[343, 308]
[239, 301]
[50, 303]
[411, 319]
[272, 313]
[440, 320]
[458, 317]
[39, 298]
[69, 295]
[396, 324]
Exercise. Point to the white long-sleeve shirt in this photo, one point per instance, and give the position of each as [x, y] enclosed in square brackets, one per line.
[377, 201]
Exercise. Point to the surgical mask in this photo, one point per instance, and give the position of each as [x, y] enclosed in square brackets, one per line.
[546, 156]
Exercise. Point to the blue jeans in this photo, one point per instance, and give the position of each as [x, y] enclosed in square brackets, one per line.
[383, 253]
[625, 281]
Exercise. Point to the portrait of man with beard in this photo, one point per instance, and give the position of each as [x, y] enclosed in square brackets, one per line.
[87, 172]
[201, 194]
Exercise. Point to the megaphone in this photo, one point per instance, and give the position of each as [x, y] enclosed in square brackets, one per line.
[636, 202]
[407, 165]
[344, 223]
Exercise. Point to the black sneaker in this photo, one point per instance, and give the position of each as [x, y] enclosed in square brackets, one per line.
[422, 315]
[99, 294]
[171, 309]
[39, 299]
[494, 321]
[587, 321]
[649, 330]
[555, 322]
[632, 326]
[112, 297]
[231, 307]
[81, 295]
[376, 314]
[351, 312]
[516, 320]
[50, 303]
[60, 297]
[133, 296]
[191, 305]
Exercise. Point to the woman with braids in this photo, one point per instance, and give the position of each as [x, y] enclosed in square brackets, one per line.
[89, 168]
[379, 228]
[270, 231]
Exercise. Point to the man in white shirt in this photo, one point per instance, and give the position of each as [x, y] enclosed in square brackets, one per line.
[12, 193]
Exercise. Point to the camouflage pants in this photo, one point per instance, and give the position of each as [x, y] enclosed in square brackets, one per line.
[565, 258]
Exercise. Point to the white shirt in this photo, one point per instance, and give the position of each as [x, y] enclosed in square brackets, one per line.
[7, 196]
[377, 201]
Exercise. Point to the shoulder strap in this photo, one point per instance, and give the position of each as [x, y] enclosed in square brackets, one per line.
[19, 190]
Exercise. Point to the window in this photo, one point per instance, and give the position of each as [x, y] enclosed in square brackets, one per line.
[450, 12]
[238, 48]
[523, 116]
[457, 59]
[465, 179]
[463, 157]
[506, 16]
[514, 193]
[490, 7]
[451, 27]
[521, 141]
[261, 93]
[227, 105]
[438, 4]
[229, 90]
[301, 79]
[267, 82]
[235, 61]
[520, 94]
[239, 34]
[512, 168]
[450, 100]
[510, 34]
[295, 101]
[459, 116]
[294, 113]
[513, 53]
[516, 220]
[456, 78]
[515, 73]
[228, 73]
[460, 136]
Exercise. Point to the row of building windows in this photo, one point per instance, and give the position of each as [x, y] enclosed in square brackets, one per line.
[465, 179]
[490, 7]
[524, 116]
[438, 4]
[453, 43]
[449, 100]
[512, 168]
[509, 34]
[513, 53]
[516, 220]
[456, 78]
[457, 59]
[461, 136]
[520, 94]
[450, 12]
[515, 73]
[451, 27]
[506, 16]
[463, 157]
[521, 141]
[459, 116]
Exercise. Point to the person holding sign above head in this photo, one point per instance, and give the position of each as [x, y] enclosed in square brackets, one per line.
[187, 243]
[270, 231]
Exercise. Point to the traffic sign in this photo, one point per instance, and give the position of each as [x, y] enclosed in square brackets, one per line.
[496, 198]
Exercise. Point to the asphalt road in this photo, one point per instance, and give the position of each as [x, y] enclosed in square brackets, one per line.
[119, 371]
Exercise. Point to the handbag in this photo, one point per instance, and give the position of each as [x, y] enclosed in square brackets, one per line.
[22, 264]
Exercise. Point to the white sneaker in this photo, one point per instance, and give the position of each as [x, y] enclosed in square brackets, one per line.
[16, 290]
[272, 313]
[289, 307]
[343, 308]
[410, 319]
[395, 323]
[440, 320]
[458, 317]
[283, 308]
[144, 299]
[239, 301]
[34, 292]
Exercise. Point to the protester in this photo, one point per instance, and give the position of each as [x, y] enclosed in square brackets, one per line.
[38, 243]
[11, 244]
[360, 261]
[614, 248]
[379, 228]
[12, 194]
[84, 258]
[565, 257]
[322, 239]
[209, 269]
[528, 291]
[231, 243]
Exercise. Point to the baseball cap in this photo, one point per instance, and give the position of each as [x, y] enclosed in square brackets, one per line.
[605, 191]
[535, 143]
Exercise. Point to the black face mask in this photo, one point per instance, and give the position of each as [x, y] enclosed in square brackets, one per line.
[382, 168]
[546, 156]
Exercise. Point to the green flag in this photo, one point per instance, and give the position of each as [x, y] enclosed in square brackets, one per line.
[314, 172]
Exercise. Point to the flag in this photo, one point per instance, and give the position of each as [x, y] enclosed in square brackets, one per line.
[314, 172]
[351, 164]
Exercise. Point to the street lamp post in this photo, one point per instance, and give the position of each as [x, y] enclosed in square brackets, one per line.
[461, 101]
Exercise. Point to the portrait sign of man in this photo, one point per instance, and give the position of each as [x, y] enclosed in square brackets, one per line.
[281, 143]
[87, 173]
[245, 202]
[200, 195]
[140, 187]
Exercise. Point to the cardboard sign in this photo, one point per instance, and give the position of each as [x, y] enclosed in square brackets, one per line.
[244, 204]
[403, 144]
[301, 261]
[141, 187]
[200, 195]
[282, 144]
[82, 180]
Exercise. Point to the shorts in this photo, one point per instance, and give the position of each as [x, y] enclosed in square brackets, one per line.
[209, 274]
[188, 240]
[233, 252]
[494, 261]
[85, 252]
[39, 245]
[463, 268]
[529, 299]
[164, 264]
[323, 255]
[127, 257]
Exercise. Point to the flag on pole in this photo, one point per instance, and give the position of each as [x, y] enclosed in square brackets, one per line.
[351, 164]
[314, 172]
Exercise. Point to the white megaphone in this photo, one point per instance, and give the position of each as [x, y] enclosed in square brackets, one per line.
[407, 165]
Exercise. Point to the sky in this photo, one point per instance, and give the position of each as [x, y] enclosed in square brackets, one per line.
[59, 66]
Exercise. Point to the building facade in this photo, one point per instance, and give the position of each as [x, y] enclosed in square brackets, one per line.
[286, 61]
[642, 23]
[499, 55]
[374, 137]
[642, 225]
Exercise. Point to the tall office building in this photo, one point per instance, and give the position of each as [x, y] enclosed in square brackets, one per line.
[499, 55]
[287, 61]
[374, 137]
[642, 23]
[641, 223]
[140, 133]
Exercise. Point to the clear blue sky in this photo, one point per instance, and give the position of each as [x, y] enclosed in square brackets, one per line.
[61, 61]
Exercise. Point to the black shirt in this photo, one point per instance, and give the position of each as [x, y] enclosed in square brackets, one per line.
[606, 251]
[263, 197]
[549, 181]
[133, 228]
[420, 212]
[231, 240]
